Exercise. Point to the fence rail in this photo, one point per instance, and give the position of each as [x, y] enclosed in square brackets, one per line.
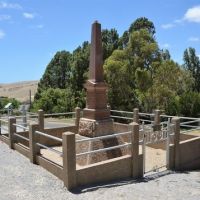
[50, 149]
[49, 136]
[104, 149]
[20, 126]
[59, 114]
[103, 137]
[22, 137]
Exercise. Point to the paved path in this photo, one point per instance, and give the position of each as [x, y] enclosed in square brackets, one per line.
[21, 180]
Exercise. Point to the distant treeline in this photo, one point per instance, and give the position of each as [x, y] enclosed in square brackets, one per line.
[137, 71]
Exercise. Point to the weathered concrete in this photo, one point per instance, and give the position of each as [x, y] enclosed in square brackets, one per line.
[136, 115]
[11, 131]
[33, 138]
[69, 160]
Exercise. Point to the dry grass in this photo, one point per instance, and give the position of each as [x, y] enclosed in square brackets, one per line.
[19, 90]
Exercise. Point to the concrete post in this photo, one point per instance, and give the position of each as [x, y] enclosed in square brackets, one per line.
[136, 115]
[11, 131]
[69, 160]
[24, 119]
[136, 172]
[176, 122]
[156, 124]
[77, 116]
[41, 119]
[0, 127]
[34, 150]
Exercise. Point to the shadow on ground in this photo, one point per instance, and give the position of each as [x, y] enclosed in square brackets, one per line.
[93, 187]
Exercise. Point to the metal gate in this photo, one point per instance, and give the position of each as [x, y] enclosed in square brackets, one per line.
[155, 142]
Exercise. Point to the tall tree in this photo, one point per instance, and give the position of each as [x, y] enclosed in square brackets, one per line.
[57, 73]
[80, 66]
[110, 42]
[192, 64]
[143, 23]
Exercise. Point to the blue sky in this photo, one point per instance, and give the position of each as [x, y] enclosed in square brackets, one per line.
[31, 31]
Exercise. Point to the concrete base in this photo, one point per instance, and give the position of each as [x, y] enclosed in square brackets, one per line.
[94, 128]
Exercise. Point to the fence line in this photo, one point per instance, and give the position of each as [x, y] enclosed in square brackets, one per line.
[103, 137]
[22, 137]
[50, 149]
[20, 126]
[104, 149]
[48, 136]
[59, 114]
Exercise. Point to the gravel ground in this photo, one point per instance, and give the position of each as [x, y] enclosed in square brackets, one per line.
[21, 180]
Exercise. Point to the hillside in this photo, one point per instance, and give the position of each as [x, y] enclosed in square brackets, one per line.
[19, 90]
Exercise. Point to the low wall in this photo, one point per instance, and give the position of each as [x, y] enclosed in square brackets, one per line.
[22, 149]
[5, 139]
[114, 169]
[50, 166]
[57, 132]
[189, 155]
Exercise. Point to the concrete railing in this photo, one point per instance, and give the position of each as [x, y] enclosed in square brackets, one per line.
[156, 119]
[119, 167]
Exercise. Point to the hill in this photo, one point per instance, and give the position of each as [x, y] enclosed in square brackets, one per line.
[19, 90]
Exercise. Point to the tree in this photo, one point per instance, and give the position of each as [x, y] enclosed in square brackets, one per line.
[120, 81]
[190, 104]
[143, 49]
[192, 64]
[127, 68]
[55, 101]
[169, 82]
[80, 66]
[143, 23]
[110, 42]
[57, 73]
[165, 55]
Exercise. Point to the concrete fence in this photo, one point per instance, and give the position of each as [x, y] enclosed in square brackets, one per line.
[33, 139]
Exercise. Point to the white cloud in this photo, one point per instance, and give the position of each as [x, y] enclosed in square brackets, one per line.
[5, 17]
[167, 26]
[178, 21]
[165, 45]
[198, 55]
[40, 26]
[28, 15]
[5, 5]
[194, 39]
[193, 14]
[2, 34]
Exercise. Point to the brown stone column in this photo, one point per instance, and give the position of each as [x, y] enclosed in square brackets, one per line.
[96, 118]
[136, 115]
[77, 117]
[41, 119]
[136, 171]
[11, 131]
[96, 98]
[33, 138]
[176, 122]
[0, 127]
[156, 124]
[69, 160]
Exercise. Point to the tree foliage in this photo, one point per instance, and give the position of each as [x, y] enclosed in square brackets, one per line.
[192, 64]
[137, 71]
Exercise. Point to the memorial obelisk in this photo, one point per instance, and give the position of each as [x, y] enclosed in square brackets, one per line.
[96, 119]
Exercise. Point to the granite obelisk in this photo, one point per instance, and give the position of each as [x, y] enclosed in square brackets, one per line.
[96, 116]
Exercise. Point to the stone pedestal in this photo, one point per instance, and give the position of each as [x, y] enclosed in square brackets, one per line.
[94, 128]
[96, 101]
